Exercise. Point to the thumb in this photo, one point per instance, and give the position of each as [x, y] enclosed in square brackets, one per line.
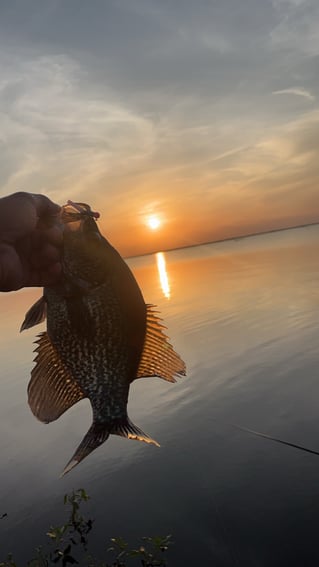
[44, 206]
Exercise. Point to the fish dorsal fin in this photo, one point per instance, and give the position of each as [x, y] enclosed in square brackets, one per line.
[158, 356]
[35, 315]
[52, 390]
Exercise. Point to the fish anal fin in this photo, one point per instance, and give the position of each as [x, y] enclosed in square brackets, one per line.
[35, 315]
[125, 428]
[52, 390]
[96, 435]
[158, 356]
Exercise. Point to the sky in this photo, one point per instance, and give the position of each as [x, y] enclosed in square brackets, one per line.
[203, 114]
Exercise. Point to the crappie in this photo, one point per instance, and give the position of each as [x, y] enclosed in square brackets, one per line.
[100, 337]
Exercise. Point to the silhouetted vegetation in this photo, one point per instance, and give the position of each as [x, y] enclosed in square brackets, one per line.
[69, 544]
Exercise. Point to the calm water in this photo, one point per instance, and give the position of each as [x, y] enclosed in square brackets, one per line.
[244, 315]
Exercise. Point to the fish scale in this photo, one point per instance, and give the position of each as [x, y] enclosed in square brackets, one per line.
[101, 376]
[100, 337]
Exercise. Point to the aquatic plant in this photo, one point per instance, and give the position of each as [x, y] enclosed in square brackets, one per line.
[68, 544]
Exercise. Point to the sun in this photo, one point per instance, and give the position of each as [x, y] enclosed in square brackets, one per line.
[153, 222]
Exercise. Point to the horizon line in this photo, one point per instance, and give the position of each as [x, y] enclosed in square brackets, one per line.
[220, 240]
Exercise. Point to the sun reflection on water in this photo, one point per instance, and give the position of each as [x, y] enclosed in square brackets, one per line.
[162, 272]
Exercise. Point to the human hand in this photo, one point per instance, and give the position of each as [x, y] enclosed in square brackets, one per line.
[30, 241]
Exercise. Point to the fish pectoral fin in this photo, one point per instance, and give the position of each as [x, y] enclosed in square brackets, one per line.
[96, 435]
[52, 390]
[158, 356]
[35, 315]
[125, 428]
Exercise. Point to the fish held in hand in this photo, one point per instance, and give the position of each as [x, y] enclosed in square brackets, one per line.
[100, 336]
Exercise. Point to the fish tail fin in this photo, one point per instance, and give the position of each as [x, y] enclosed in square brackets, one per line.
[125, 428]
[96, 435]
[99, 432]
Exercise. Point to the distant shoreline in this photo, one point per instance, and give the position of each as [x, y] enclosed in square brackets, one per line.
[223, 240]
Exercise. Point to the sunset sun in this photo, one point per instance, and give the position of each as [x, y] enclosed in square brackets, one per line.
[153, 222]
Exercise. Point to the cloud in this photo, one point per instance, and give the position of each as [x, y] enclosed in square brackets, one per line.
[297, 91]
[282, 4]
[127, 104]
[58, 136]
[297, 28]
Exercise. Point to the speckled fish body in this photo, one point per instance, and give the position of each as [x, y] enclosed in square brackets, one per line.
[100, 337]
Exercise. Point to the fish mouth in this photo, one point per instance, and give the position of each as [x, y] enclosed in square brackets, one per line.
[72, 212]
[79, 217]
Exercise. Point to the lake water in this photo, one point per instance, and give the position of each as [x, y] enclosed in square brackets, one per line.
[244, 315]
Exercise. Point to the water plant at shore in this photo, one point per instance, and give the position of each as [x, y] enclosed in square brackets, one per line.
[69, 544]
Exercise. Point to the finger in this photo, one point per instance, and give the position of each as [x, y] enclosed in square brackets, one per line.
[43, 277]
[51, 275]
[21, 213]
[18, 217]
[37, 276]
[44, 206]
[52, 235]
[45, 256]
[11, 272]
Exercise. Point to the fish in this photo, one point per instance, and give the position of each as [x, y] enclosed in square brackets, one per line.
[100, 336]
